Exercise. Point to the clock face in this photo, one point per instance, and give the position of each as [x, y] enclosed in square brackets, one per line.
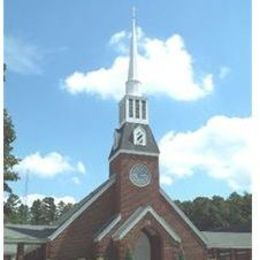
[140, 175]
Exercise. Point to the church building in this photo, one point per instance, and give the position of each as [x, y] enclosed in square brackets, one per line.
[129, 216]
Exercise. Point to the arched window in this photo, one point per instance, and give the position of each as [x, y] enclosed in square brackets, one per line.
[139, 136]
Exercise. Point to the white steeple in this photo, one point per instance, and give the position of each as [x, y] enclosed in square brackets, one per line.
[133, 84]
[133, 107]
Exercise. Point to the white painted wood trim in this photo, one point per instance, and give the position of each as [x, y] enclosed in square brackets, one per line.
[132, 152]
[108, 229]
[125, 228]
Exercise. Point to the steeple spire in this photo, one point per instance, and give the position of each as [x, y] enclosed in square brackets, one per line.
[132, 84]
[133, 108]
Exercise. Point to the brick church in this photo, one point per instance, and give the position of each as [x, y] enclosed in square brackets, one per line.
[129, 216]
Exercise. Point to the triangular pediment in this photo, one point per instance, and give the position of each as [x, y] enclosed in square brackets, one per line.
[137, 216]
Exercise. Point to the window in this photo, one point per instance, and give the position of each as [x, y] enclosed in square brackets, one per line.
[143, 109]
[137, 109]
[131, 110]
[139, 136]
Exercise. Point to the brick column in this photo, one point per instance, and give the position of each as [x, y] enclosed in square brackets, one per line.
[20, 251]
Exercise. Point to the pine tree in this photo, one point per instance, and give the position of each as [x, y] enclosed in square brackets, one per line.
[9, 159]
[49, 210]
[37, 212]
[11, 209]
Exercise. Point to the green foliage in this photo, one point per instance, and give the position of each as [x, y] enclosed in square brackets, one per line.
[62, 208]
[233, 214]
[42, 212]
[11, 209]
[9, 159]
[37, 212]
[23, 213]
[48, 210]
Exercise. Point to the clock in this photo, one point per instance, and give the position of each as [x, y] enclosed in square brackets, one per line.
[140, 175]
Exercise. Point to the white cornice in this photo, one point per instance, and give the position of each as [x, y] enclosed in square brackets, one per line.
[132, 152]
[108, 229]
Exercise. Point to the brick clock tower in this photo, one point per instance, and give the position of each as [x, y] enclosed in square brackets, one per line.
[134, 155]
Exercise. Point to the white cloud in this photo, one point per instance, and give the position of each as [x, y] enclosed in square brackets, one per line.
[221, 149]
[118, 40]
[165, 68]
[32, 197]
[48, 165]
[224, 72]
[21, 57]
[81, 167]
[75, 180]
[165, 179]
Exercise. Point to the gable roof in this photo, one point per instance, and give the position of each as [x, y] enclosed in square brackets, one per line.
[126, 141]
[184, 217]
[228, 239]
[29, 234]
[130, 223]
[76, 211]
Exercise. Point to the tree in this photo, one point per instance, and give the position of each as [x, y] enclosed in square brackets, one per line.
[23, 214]
[62, 208]
[37, 212]
[11, 209]
[9, 159]
[49, 210]
[232, 214]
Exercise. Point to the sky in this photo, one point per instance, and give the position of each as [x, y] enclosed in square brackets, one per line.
[66, 71]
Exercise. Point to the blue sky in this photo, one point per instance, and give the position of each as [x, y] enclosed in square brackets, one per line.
[67, 65]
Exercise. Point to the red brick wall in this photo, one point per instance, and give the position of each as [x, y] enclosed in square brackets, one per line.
[77, 239]
[129, 196]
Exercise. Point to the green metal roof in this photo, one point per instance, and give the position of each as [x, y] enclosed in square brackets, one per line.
[228, 239]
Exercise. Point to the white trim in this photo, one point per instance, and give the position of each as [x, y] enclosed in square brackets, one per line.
[108, 229]
[134, 120]
[228, 246]
[80, 210]
[136, 217]
[184, 217]
[132, 152]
